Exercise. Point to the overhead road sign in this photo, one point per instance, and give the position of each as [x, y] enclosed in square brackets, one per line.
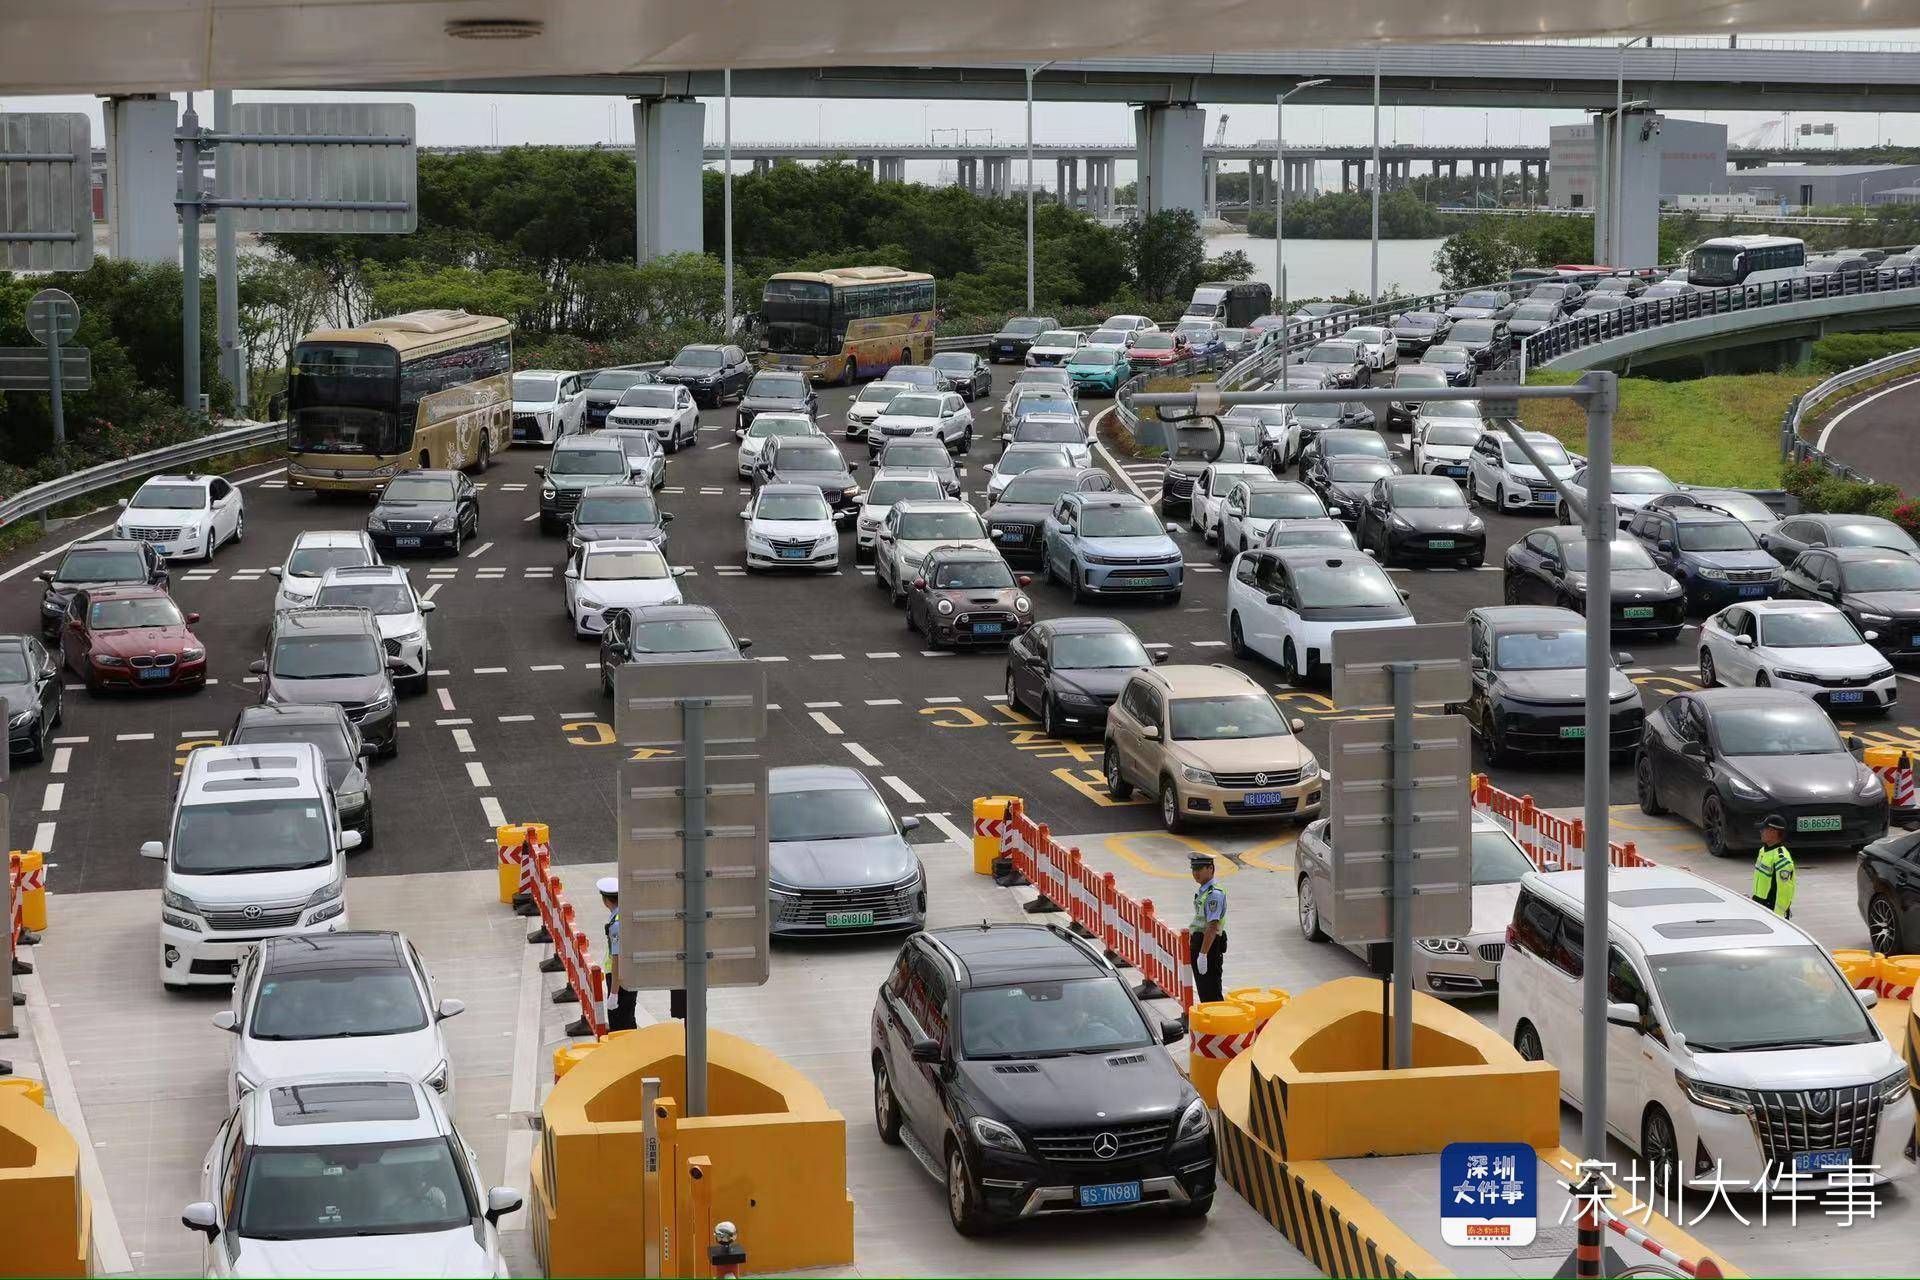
[31, 369]
[46, 191]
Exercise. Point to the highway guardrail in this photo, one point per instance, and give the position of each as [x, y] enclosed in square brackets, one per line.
[39, 498]
[1795, 449]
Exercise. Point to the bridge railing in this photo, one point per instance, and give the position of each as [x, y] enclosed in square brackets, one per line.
[1795, 448]
[78, 484]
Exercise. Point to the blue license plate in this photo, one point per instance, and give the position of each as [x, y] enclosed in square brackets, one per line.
[1814, 1161]
[988, 628]
[1011, 535]
[1104, 1194]
[406, 542]
[792, 553]
[1264, 799]
[154, 673]
[1454, 471]
[1752, 591]
[1848, 695]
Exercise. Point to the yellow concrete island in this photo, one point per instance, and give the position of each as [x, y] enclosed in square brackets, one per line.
[771, 1159]
[45, 1218]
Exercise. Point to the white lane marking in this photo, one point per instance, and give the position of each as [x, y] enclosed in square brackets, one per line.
[996, 697]
[825, 722]
[723, 444]
[1209, 644]
[821, 706]
[769, 658]
[81, 741]
[906, 792]
[463, 740]
[827, 657]
[933, 700]
[55, 793]
[446, 697]
[456, 721]
[133, 737]
[530, 517]
[936, 653]
[489, 671]
[477, 773]
[62, 757]
[496, 816]
[43, 836]
[863, 755]
[549, 666]
[1838, 418]
[430, 592]
[883, 702]
[946, 826]
[515, 719]
[883, 655]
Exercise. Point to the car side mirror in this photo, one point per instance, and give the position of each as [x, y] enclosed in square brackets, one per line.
[909, 823]
[153, 849]
[192, 618]
[1171, 1032]
[1276, 599]
[1867, 997]
[1173, 528]
[571, 572]
[1853, 744]
[449, 1008]
[276, 572]
[428, 606]
[926, 1051]
[1695, 750]
[919, 584]
[1405, 595]
[1665, 546]
[1745, 642]
[258, 666]
[1158, 655]
[122, 504]
[1828, 591]
[1025, 580]
[1869, 635]
[349, 841]
[1622, 658]
[1150, 733]
[201, 1216]
[226, 1020]
[1620, 1013]
[990, 468]
[1297, 725]
[666, 517]
[502, 1201]
[367, 751]
[396, 664]
[540, 471]
[746, 513]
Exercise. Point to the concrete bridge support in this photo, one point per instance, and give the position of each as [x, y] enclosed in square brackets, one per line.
[1066, 182]
[864, 164]
[143, 168]
[1100, 186]
[893, 169]
[999, 177]
[1171, 142]
[1299, 177]
[669, 152]
[1213, 187]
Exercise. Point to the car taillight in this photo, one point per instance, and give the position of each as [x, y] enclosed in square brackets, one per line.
[1510, 935]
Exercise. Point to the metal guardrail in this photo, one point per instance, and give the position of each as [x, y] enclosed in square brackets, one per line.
[40, 497]
[1795, 449]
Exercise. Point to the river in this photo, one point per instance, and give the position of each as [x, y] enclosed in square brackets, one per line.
[1327, 268]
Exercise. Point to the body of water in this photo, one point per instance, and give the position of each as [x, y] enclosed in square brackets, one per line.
[1325, 268]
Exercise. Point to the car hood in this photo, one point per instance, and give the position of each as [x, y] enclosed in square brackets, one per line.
[1092, 367]
[1017, 512]
[841, 479]
[534, 406]
[1447, 452]
[1098, 682]
[1754, 559]
[410, 1053]
[967, 598]
[583, 480]
[632, 593]
[1119, 1088]
[617, 532]
[840, 864]
[917, 548]
[443, 1253]
[928, 425]
[635, 413]
[604, 396]
[773, 404]
[347, 691]
[1567, 685]
[792, 528]
[1151, 544]
[692, 371]
[1246, 755]
[140, 641]
[1890, 603]
[1632, 584]
[18, 697]
[1799, 779]
[221, 893]
[1442, 520]
[397, 624]
[1529, 326]
[1493, 910]
[1349, 494]
[1527, 471]
[346, 775]
[1471, 313]
[401, 509]
[1849, 660]
[1818, 1067]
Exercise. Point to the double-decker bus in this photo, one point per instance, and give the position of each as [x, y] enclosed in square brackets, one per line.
[847, 323]
[1736, 260]
[424, 389]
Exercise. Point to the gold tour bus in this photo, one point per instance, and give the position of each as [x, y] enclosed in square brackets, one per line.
[847, 323]
[425, 389]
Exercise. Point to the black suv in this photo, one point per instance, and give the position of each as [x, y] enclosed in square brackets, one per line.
[1017, 1066]
[1016, 335]
[715, 373]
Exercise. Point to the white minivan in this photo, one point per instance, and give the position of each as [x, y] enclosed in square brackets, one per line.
[255, 851]
[1735, 1048]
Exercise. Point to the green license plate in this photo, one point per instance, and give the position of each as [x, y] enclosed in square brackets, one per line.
[1821, 822]
[1637, 611]
[1573, 731]
[849, 919]
[1440, 544]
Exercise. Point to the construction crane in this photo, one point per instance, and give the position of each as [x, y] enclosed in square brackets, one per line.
[1761, 136]
[1220, 134]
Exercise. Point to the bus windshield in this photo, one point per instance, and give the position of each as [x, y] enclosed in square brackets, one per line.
[1715, 266]
[343, 396]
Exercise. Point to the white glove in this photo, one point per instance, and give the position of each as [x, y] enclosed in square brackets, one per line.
[1200, 963]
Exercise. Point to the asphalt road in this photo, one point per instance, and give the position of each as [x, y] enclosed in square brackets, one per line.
[515, 727]
[1874, 435]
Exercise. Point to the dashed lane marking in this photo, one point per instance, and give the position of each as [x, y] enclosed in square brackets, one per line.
[825, 722]
[62, 757]
[457, 720]
[51, 798]
[479, 551]
[477, 773]
[861, 754]
[43, 836]
[463, 741]
[133, 737]
[947, 828]
[430, 592]
[446, 696]
[489, 671]
[883, 702]
[904, 791]
[515, 719]
[496, 816]
[80, 741]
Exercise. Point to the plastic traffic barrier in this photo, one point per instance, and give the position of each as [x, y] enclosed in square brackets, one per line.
[1894, 767]
[1898, 976]
[1551, 842]
[1217, 1033]
[1861, 969]
[516, 842]
[33, 890]
[989, 825]
[32, 1090]
[1264, 1001]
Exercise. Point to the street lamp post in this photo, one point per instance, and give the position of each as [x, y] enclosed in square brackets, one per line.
[1280, 213]
[1031, 73]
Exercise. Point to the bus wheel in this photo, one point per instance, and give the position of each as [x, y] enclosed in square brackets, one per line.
[486, 456]
[906, 357]
[846, 372]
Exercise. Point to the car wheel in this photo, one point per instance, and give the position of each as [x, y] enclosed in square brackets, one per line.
[1236, 639]
[1221, 551]
[879, 583]
[1013, 696]
[1708, 676]
[963, 1202]
[1645, 789]
[606, 681]
[1494, 747]
[1289, 665]
[1170, 814]
[1660, 1148]
[239, 527]
[459, 538]
[1077, 581]
[1713, 827]
[59, 709]
[1560, 514]
[1526, 1042]
[1762, 680]
[1118, 787]
[1508, 593]
[966, 441]
[1050, 717]
[1172, 597]
[1309, 913]
[886, 1111]
[43, 734]
[206, 552]
[1500, 497]
[1883, 926]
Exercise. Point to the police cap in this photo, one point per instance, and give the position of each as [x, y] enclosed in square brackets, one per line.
[609, 886]
[1773, 822]
[1198, 861]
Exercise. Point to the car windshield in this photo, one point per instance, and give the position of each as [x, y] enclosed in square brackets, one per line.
[1120, 521]
[388, 599]
[300, 657]
[1366, 335]
[619, 379]
[1344, 584]
[1049, 1018]
[330, 738]
[1497, 859]
[917, 375]
[615, 566]
[1017, 462]
[311, 562]
[1153, 342]
[142, 611]
[1323, 411]
[1741, 506]
[764, 426]
[877, 393]
[1098, 357]
[808, 456]
[1420, 320]
[1415, 376]
[1349, 469]
[680, 635]
[1627, 554]
[973, 574]
[363, 1189]
[1489, 301]
[242, 837]
[1744, 998]
[1284, 504]
[170, 497]
[1058, 338]
[832, 813]
[589, 462]
[616, 508]
[648, 398]
[1097, 651]
[1604, 301]
[1233, 337]
[1425, 491]
[793, 506]
[1448, 355]
[700, 357]
[1537, 311]
[1193, 331]
[1813, 629]
[101, 565]
[1045, 430]
[1725, 535]
[779, 386]
[926, 526]
[1891, 574]
[1039, 491]
[1553, 650]
[1108, 338]
[1043, 400]
[1353, 443]
[957, 361]
[1474, 331]
[1023, 328]
[333, 1004]
[1240, 715]
[1872, 533]
[418, 489]
[1334, 353]
[1551, 452]
[1625, 481]
[1775, 730]
[914, 406]
[529, 386]
[1451, 435]
[1320, 535]
[1452, 409]
[928, 456]
[14, 667]
[884, 493]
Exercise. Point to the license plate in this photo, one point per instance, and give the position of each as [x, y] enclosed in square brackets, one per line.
[1637, 611]
[1136, 582]
[1847, 695]
[1819, 822]
[1109, 1193]
[1573, 731]
[988, 628]
[1455, 471]
[1439, 544]
[1264, 799]
[1813, 1161]
[1011, 535]
[849, 919]
[1752, 591]
[406, 542]
[154, 673]
[792, 553]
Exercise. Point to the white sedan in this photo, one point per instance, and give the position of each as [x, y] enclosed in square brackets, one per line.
[314, 552]
[184, 517]
[1444, 433]
[1633, 487]
[1378, 346]
[766, 426]
[1018, 459]
[790, 526]
[870, 404]
[1807, 646]
[616, 574]
[666, 410]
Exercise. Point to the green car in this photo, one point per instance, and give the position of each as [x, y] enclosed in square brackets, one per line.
[1104, 368]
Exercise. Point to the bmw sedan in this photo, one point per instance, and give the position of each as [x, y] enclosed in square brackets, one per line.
[838, 859]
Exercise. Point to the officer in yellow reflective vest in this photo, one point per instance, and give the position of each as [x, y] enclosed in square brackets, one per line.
[1773, 878]
[1207, 935]
[620, 1001]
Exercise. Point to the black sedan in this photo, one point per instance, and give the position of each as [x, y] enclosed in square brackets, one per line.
[107, 562]
[1726, 759]
[425, 509]
[1889, 878]
[1415, 331]
[617, 511]
[1014, 521]
[1344, 480]
[1795, 534]
[966, 373]
[774, 391]
[1420, 518]
[1529, 685]
[31, 689]
[813, 460]
[662, 633]
[1549, 566]
[1456, 362]
[1878, 590]
[1343, 360]
[1068, 671]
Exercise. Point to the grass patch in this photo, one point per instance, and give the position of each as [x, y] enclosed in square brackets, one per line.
[1708, 431]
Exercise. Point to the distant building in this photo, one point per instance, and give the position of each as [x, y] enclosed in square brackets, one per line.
[1693, 161]
[1802, 185]
[1718, 202]
[1895, 195]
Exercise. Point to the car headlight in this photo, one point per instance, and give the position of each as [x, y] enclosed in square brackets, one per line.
[1194, 1122]
[351, 799]
[436, 1079]
[108, 660]
[589, 602]
[1442, 946]
[1715, 1097]
[19, 718]
[1893, 1087]
[1200, 776]
[546, 493]
[851, 491]
[1022, 605]
[376, 523]
[179, 902]
[1309, 771]
[993, 1134]
[1709, 571]
[412, 637]
[328, 892]
[945, 607]
[192, 655]
[1803, 677]
[189, 923]
[442, 524]
[1399, 521]
[1744, 789]
[1870, 785]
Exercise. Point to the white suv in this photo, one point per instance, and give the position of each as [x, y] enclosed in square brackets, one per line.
[385, 591]
[911, 529]
[184, 517]
[255, 851]
[547, 404]
[1737, 1051]
[888, 486]
[314, 552]
[1286, 605]
[1499, 474]
[1210, 494]
[360, 1174]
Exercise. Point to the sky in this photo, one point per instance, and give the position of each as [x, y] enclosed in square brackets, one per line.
[480, 119]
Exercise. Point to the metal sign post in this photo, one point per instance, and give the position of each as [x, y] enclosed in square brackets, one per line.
[46, 191]
[53, 318]
[7, 995]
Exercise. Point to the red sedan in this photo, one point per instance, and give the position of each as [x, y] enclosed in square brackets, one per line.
[131, 638]
[1152, 350]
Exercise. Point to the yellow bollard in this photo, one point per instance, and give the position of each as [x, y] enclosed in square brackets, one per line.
[1217, 1033]
[1878, 758]
[1860, 968]
[1899, 975]
[34, 1091]
[989, 815]
[1264, 1001]
[33, 903]
[508, 838]
[569, 1056]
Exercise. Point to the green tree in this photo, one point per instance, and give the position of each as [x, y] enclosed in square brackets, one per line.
[1476, 256]
[1166, 252]
[413, 286]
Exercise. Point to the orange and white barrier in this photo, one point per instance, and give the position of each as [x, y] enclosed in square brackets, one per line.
[1889, 977]
[1217, 1033]
[1894, 767]
[1552, 843]
[525, 853]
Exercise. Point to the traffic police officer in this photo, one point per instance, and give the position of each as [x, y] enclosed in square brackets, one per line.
[1773, 870]
[1207, 935]
[620, 1010]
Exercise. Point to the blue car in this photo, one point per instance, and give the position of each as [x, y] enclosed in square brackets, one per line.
[1204, 337]
[1713, 556]
[1099, 368]
[1102, 544]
